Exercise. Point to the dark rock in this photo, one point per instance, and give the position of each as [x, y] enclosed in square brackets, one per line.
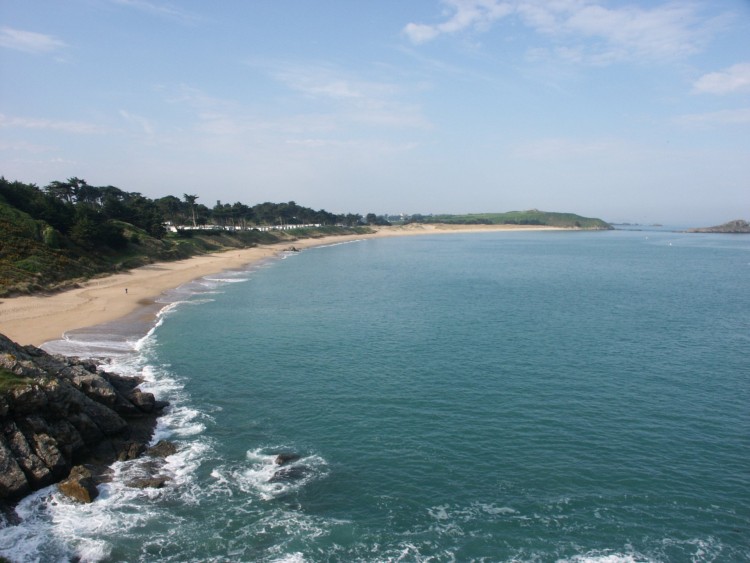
[94, 386]
[156, 482]
[285, 458]
[89, 432]
[130, 450]
[13, 482]
[107, 420]
[143, 401]
[124, 385]
[292, 473]
[63, 412]
[37, 473]
[27, 399]
[163, 448]
[159, 406]
[69, 440]
[80, 485]
[46, 449]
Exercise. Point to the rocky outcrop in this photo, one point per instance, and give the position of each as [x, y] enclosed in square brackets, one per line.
[162, 449]
[80, 485]
[284, 458]
[57, 412]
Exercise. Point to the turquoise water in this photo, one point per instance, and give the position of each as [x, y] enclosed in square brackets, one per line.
[488, 397]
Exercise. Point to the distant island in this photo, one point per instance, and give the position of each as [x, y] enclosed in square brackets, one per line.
[738, 226]
[530, 217]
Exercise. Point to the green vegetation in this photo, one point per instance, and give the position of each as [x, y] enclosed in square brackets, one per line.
[9, 380]
[70, 231]
[531, 217]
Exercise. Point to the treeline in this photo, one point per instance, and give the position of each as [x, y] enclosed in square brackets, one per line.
[91, 216]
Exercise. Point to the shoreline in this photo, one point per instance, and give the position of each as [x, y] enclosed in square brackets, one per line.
[37, 319]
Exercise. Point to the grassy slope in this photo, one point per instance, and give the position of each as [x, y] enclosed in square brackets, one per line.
[28, 265]
[26, 262]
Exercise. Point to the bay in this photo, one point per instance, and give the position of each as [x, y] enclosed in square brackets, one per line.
[535, 396]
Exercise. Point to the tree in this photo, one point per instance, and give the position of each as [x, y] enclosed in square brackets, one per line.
[351, 219]
[172, 208]
[62, 191]
[372, 219]
[190, 199]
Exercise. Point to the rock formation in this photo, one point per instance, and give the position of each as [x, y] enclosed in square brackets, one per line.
[57, 413]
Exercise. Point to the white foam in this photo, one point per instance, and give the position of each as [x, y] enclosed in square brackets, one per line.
[227, 280]
[180, 421]
[181, 466]
[338, 243]
[495, 510]
[613, 558]
[83, 347]
[258, 477]
[290, 558]
[32, 540]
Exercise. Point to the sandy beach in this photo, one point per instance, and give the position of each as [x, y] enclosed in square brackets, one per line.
[40, 318]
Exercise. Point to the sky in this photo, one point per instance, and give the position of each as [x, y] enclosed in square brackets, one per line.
[631, 111]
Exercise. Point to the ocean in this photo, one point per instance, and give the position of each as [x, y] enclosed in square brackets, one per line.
[507, 396]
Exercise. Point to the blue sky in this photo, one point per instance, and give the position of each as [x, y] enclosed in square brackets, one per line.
[626, 110]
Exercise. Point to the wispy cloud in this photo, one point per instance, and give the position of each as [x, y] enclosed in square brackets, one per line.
[81, 127]
[736, 78]
[29, 41]
[334, 115]
[325, 81]
[348, 97]
[462, 15]
[160, 9]
[606, 35]
[584, 31]
[716, 118]
[142, 123]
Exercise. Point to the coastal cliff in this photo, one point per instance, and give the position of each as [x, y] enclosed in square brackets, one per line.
[57, 413]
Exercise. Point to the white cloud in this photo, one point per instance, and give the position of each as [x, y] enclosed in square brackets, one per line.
[736, 78]
[585, 31]
[631, 32]
[29, 41]
[49, 124]
[464, 14]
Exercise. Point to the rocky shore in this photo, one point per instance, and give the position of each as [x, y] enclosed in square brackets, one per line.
[67, 419]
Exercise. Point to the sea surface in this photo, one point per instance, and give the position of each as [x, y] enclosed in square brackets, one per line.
[518, 396]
